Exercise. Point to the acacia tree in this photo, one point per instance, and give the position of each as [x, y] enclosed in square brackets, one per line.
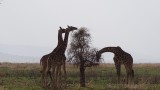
[80, 52]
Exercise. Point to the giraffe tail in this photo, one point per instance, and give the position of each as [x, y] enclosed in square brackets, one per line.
[41, 64]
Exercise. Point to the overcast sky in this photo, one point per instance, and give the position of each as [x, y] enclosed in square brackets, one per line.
[132, 24]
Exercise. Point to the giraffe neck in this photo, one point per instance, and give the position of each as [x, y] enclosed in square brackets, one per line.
[60, 38]
[60, 42]
[66, 38]
[108, 49]
[61, 47]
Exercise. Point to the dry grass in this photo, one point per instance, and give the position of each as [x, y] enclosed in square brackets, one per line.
[21, 66]
[26, 76]
[2, 88]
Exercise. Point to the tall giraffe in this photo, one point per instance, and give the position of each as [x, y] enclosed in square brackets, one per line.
[58, 58]
[120, 57]
[43, 60]
[63, 46]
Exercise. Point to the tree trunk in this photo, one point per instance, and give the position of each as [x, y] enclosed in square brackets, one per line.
[82, 75]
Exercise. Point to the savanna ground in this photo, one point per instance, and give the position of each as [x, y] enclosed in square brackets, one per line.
[25, 76]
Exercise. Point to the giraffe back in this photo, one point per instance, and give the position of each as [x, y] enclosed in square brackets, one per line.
[123, 56]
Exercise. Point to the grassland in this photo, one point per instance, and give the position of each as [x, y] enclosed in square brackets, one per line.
[23, 76]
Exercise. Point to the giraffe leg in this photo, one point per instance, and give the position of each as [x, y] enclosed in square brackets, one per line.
[64, 69]
[49, 73]
[48, 70]
[43, 79]
[42, 73]
[44, 76]
[59, 70]
[127, 72]
[127, 75]
[118, 68]
[53, 82]
[131, 76]
[130, 73]
[58, 75]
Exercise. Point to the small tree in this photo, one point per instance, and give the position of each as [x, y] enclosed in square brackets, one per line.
[80, 52]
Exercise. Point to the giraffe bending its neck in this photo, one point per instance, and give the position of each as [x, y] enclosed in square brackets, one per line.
[44, 59]
[120, 57]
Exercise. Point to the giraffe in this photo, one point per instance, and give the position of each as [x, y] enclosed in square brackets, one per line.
[63, 46]
[58, 58]
[43, 60]
[120, 57]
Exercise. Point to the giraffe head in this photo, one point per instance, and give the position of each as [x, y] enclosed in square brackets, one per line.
[98, 56]
[71, 28]
[62, 30]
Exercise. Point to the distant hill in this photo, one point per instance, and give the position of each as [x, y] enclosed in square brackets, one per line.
[24, 50]
[22, 53]
[15, 58]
